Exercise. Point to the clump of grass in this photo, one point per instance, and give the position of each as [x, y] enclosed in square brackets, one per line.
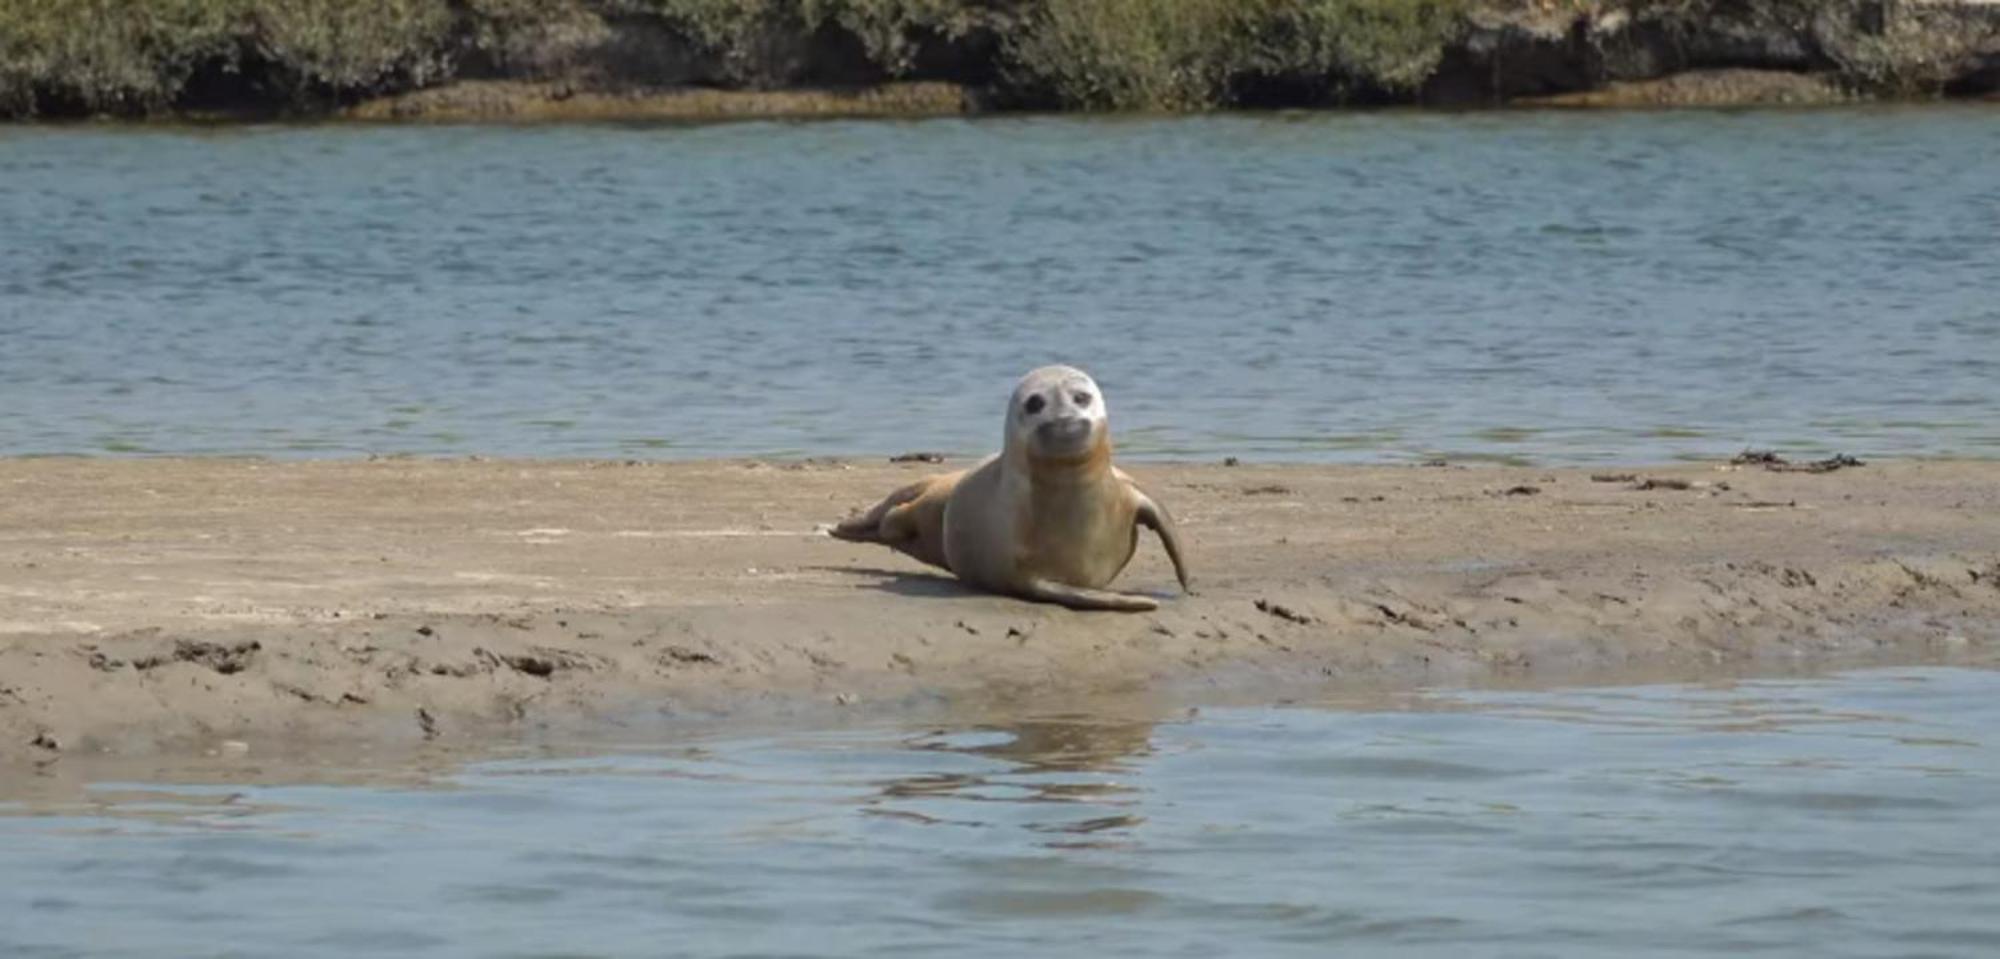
[107, 54]
[528, 36]
[1134, 54]
[889, 30]
[1194, 54]
[135, 56]
[348, 44]
[758, 41]
[1391, 44]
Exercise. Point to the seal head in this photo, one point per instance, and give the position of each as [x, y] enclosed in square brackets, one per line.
[1057, 417]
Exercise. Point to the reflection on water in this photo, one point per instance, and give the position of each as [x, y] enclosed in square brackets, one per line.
[1073, 759]
[1590, 286]
[1850, 816]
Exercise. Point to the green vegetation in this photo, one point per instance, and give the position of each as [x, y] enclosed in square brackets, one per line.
[135, 57]
[129, 56]
[748, 34]
[140, 56]
[105, 53]
[1196, 54]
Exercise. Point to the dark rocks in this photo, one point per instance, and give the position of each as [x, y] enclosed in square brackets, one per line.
[1284, 612]
[225, 659]
[1778, 464]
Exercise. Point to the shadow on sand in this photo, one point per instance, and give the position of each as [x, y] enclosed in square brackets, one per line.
[903, 582]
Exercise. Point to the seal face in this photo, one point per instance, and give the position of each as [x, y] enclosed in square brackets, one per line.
[1057, 417]
[1048, 518]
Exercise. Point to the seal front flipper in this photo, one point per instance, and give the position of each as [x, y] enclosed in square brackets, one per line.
[1154, 515]
[1077, 597]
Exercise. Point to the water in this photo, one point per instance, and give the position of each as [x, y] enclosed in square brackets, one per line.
[1556, 287]
[1851, 816]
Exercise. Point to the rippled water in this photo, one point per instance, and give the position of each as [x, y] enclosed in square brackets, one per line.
[1559, 287]
[1853, 816]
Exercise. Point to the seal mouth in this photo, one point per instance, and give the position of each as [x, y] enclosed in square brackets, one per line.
[1064, 437]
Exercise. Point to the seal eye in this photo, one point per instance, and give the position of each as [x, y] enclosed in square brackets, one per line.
[1034, 405]
[1082, 400]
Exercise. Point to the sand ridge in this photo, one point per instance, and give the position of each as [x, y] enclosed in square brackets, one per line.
[176, 604]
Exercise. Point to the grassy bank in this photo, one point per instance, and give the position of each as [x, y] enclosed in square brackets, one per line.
[140, 57]
[137, 56]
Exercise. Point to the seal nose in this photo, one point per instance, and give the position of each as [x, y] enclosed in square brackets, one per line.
[1066, 431]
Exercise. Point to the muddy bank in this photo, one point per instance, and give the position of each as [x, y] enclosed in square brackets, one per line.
[197, 604]
[490, 100]
[645, 59]
[1707, 88]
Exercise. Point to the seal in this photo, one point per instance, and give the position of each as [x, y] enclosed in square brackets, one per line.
[1048, 518]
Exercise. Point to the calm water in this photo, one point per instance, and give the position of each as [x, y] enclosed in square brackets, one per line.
[1856, 816]
[1371, 287]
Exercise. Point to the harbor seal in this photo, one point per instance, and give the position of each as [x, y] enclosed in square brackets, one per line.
[1048, 518]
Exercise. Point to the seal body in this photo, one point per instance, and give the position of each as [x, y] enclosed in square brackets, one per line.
[1048, 518]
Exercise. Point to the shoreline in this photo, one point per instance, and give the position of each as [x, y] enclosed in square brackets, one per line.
[538, 103]
[679, 108]
[180, 606]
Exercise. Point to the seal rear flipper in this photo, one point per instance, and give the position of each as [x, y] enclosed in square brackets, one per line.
[869, 527]
[1155, 516]
[909, 521]
[1078, 597]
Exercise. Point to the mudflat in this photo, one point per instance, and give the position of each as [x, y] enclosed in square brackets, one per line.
[203, 604]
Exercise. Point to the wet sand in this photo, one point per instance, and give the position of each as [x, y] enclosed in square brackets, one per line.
[221, 605]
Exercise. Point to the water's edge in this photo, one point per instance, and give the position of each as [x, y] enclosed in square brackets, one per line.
[1838, 816]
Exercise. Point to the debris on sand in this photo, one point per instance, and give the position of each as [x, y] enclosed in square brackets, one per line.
[1778, 464]
[917, 458]
[1654, 482]
[225, 659]
[1648, 483]
[427, 722]
[1284, 612]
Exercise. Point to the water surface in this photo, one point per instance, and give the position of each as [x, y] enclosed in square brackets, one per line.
[1852, 816]
[1560, 287]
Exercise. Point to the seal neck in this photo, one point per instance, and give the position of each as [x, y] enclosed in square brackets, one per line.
[1064, 470]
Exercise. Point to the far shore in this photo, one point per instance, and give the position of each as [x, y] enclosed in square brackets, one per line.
[190, 606]
[534, 102]
[442, 60]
